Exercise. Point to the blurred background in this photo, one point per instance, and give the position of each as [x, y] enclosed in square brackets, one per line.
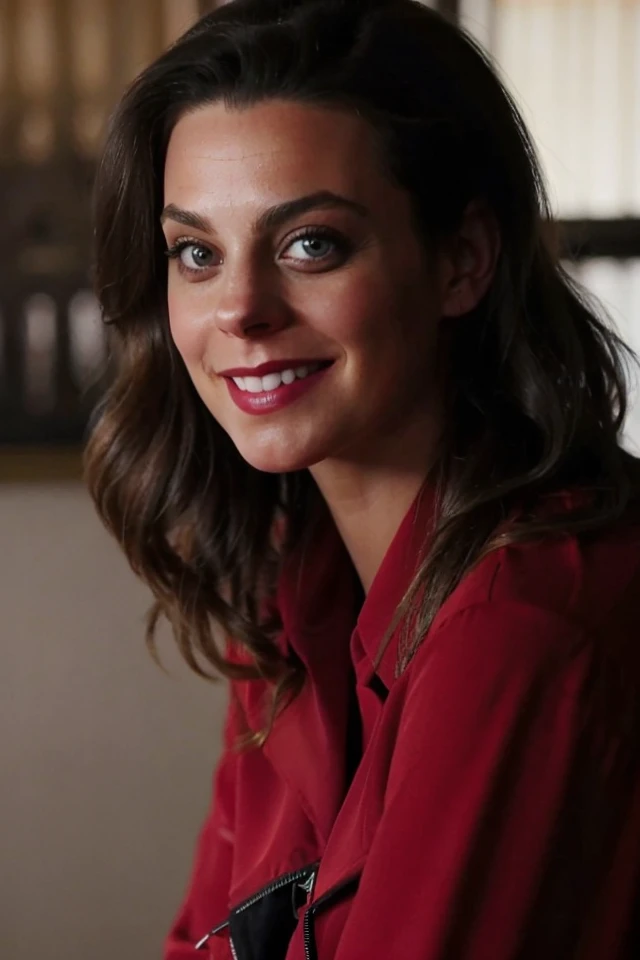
[106, 761]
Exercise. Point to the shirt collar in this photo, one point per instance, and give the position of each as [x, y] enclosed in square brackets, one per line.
[318, 596]
[393, 579]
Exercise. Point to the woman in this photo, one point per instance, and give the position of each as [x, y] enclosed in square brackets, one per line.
[366, 429]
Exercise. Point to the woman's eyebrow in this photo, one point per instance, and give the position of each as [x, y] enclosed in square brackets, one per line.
[185, 217]
[273, 217]
[322, 200]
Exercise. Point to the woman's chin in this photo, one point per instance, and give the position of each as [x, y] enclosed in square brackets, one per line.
[271, 460]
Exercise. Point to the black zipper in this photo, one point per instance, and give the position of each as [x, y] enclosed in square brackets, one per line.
[275, 885]
[337, 892]
[308, 873]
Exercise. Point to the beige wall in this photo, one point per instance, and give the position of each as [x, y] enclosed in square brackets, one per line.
[105, 761]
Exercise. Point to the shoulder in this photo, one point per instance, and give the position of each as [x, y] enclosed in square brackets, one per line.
[585, 581]
[527, 609]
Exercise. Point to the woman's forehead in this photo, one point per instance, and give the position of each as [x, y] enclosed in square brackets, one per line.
[271, 151]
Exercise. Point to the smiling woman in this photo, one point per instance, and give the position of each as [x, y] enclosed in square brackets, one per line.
[364, 447]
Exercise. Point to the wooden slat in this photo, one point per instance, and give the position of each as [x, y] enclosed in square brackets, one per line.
[13, 362]
[586, 239]
[40, 466]
[11, 93]
[450, 9]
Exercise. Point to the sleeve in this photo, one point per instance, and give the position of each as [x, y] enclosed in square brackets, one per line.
[206, 902]
[484, 850]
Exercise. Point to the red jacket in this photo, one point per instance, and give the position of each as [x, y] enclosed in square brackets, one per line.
[495, 813]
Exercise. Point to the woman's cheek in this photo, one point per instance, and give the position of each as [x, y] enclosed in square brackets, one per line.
[184, 331]
[346, 318]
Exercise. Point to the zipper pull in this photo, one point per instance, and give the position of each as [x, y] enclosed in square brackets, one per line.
[306, 885]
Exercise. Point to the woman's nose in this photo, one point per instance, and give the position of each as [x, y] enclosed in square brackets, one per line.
[250, 305]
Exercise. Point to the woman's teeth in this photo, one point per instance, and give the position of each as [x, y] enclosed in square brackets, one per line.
[274, 380]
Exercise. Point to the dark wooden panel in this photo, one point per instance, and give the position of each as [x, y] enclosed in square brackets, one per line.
[586, 239]
[40, 465]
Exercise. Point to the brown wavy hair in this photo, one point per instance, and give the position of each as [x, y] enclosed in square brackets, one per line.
[537, 390]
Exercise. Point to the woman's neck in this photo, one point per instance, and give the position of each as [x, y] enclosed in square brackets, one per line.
[368, 501]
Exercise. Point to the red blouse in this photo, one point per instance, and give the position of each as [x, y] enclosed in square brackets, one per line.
[495, 813]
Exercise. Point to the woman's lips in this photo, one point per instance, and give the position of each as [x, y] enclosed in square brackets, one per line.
[275, 397]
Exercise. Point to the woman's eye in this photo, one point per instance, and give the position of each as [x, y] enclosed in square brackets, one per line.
[315, 249]
[196, 257]
[192, 257]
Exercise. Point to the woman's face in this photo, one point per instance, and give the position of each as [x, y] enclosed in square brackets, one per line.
[300, 297]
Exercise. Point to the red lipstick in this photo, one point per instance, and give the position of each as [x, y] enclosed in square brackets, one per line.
[271, 401]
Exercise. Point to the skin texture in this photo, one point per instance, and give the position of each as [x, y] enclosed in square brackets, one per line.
[359, 289]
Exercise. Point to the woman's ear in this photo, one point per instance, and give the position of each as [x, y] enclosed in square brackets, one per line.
[470, 260]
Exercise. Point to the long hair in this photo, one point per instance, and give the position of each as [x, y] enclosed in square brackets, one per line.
[537, 391]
